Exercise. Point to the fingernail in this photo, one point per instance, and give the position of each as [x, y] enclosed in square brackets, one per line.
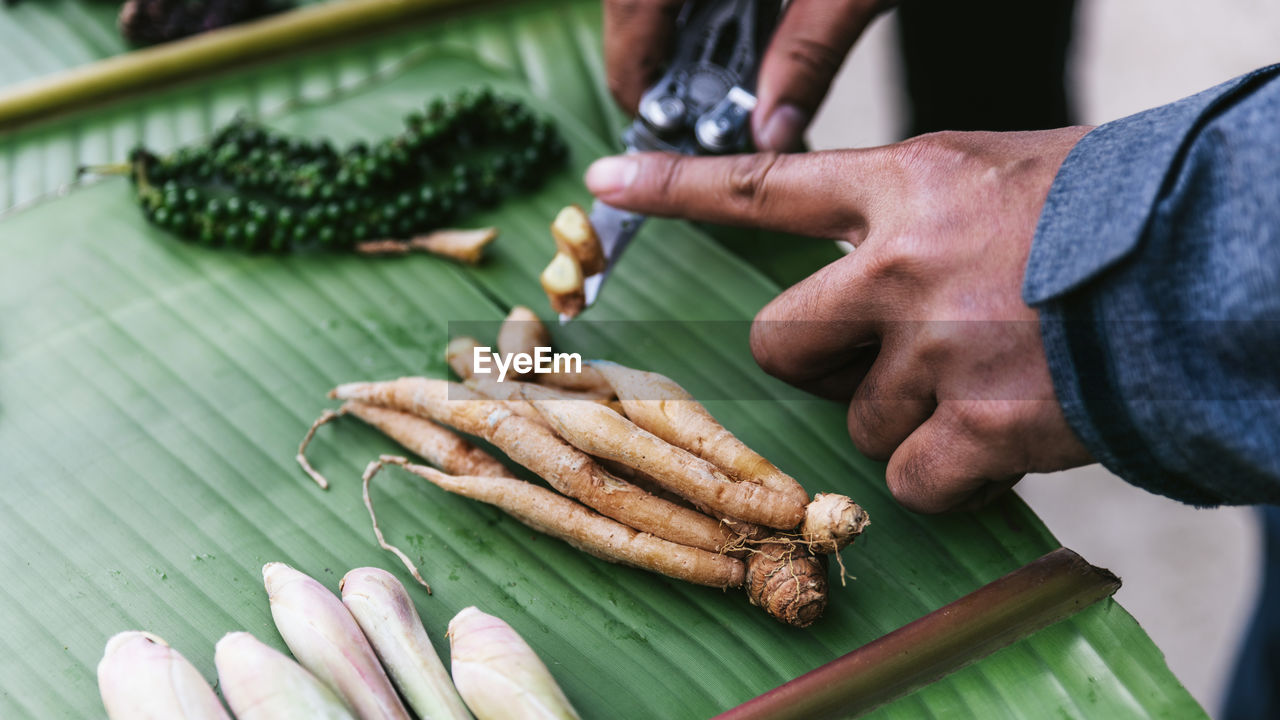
[783, 128]
[610, 175]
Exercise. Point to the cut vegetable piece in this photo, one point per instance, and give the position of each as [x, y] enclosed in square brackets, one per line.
[382, 608]
[598, 430]
[462, 245]
[460, 353]
[575, 236]
[141, 678]
[534, 446]
[583, 528]
[831, 522]
[658, 404]
[522, 333]
[262, 683]
[327, 641]
[499, 675]
[562, 281]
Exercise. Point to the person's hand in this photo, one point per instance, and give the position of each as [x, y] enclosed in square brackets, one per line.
[922, 328]
[807, 49]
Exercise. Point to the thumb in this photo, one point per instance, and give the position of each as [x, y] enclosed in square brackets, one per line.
[816, 194]
[807, 50]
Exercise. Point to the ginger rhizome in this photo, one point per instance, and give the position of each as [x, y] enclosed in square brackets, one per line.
[640, 473]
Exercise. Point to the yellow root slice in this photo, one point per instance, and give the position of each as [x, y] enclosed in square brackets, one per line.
[562, 281]
[575, 236]
[462, 245]
[658, 404]
[534, 446]
[581, 527]
[521, 333]
[597, 430]
[460, 353]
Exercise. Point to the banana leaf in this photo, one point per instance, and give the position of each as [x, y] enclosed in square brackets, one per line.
[152, 394]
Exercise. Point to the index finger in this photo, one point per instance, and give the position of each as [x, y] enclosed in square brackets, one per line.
[821, 194]
[637, 43]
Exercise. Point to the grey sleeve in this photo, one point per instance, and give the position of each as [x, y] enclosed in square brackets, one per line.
[1156, 271]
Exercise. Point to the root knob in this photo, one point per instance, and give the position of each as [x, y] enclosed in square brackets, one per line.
[788, 582]
[832, 521]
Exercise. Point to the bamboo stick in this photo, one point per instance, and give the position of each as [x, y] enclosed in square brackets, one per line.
[145, 68]
[1052, 588]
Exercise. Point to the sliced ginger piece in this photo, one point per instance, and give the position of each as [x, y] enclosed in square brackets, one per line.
[562, 281]
[575, 236]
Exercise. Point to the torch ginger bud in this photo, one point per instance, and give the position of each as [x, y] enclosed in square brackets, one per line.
[499, 675]
[262, 683]
[382, 607]
[140, 676]
[327, 641]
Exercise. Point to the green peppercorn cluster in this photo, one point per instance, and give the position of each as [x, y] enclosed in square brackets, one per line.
[255, 189]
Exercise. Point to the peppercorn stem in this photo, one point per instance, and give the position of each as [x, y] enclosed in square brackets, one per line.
[1052, 588]
[108, 169]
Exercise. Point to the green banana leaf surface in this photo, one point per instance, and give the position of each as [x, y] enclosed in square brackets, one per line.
[152, 395]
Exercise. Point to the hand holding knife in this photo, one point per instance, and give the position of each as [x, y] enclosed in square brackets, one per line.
[700, 106]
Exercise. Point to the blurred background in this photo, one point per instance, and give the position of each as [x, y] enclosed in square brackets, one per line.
[1190, 575]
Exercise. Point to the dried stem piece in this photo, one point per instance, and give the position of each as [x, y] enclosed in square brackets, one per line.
[1052, 588]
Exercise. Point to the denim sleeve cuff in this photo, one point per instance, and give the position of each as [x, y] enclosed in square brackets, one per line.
[1105, 190]
[1153, 271]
